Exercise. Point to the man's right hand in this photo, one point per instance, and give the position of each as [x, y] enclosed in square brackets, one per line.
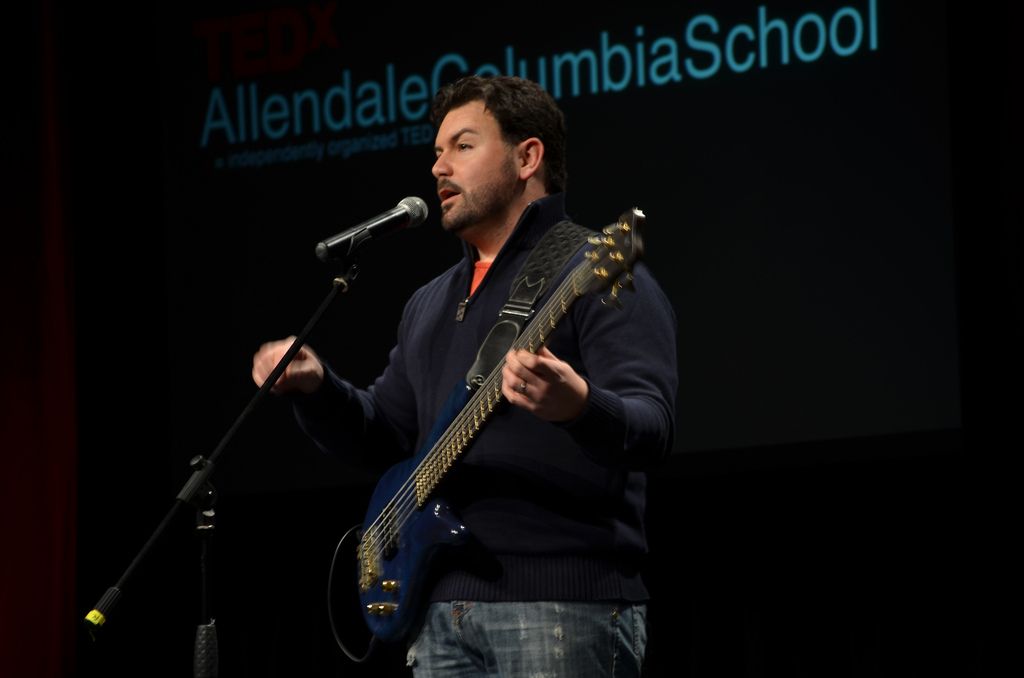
[304, 373]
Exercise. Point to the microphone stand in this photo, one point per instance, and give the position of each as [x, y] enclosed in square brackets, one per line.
[200, 494]
[205, 656]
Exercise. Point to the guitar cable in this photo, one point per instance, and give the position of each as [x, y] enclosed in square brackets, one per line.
[330, 608]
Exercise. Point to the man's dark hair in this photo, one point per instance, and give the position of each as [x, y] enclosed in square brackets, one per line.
[523, 110]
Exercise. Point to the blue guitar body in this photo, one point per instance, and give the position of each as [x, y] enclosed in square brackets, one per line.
[395, 558]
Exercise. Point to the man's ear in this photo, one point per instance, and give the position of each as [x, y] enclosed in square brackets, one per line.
[529, 157]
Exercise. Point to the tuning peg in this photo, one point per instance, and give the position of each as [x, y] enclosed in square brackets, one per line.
[611, 299]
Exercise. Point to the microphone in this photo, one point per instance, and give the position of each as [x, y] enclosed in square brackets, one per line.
[409, 212]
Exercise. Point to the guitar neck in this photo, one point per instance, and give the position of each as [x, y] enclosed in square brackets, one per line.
[457, 437]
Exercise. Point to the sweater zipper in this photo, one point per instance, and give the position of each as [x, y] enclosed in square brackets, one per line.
[460, 312]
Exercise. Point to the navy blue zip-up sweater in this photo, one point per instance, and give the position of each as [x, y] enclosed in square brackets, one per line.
[558, 508]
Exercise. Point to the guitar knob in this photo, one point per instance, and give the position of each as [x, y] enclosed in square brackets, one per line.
[389, 585]
[381, 609]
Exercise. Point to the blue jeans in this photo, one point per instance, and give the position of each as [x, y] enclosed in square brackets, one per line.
[464, 639]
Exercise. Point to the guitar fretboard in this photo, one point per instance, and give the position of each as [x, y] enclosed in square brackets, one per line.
[380, 536]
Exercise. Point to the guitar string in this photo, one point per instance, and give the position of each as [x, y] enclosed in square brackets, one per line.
[406, 500]
[403, 502]
[396, 512]
[401, 505]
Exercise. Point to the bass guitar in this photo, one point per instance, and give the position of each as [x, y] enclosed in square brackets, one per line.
[406, 523]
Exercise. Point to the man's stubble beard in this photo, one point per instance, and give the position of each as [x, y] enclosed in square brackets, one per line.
[483, 203]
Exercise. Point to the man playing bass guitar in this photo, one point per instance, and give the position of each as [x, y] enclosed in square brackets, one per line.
[550, 491]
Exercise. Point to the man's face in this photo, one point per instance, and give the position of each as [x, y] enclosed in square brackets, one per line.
[475, 169]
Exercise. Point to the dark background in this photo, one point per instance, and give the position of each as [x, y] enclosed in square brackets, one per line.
[840, 241]
[799, 218]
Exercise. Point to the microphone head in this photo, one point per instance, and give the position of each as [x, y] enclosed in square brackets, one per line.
[409, 212]
[416, 208]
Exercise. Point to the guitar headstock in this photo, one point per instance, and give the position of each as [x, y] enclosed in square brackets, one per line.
[614, 253]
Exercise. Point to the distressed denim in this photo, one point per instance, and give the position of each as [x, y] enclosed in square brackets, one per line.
[464, 639]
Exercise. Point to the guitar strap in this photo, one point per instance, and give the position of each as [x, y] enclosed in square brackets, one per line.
[547, 258]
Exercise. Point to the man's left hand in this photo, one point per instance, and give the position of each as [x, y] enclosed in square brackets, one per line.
[544, 385]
